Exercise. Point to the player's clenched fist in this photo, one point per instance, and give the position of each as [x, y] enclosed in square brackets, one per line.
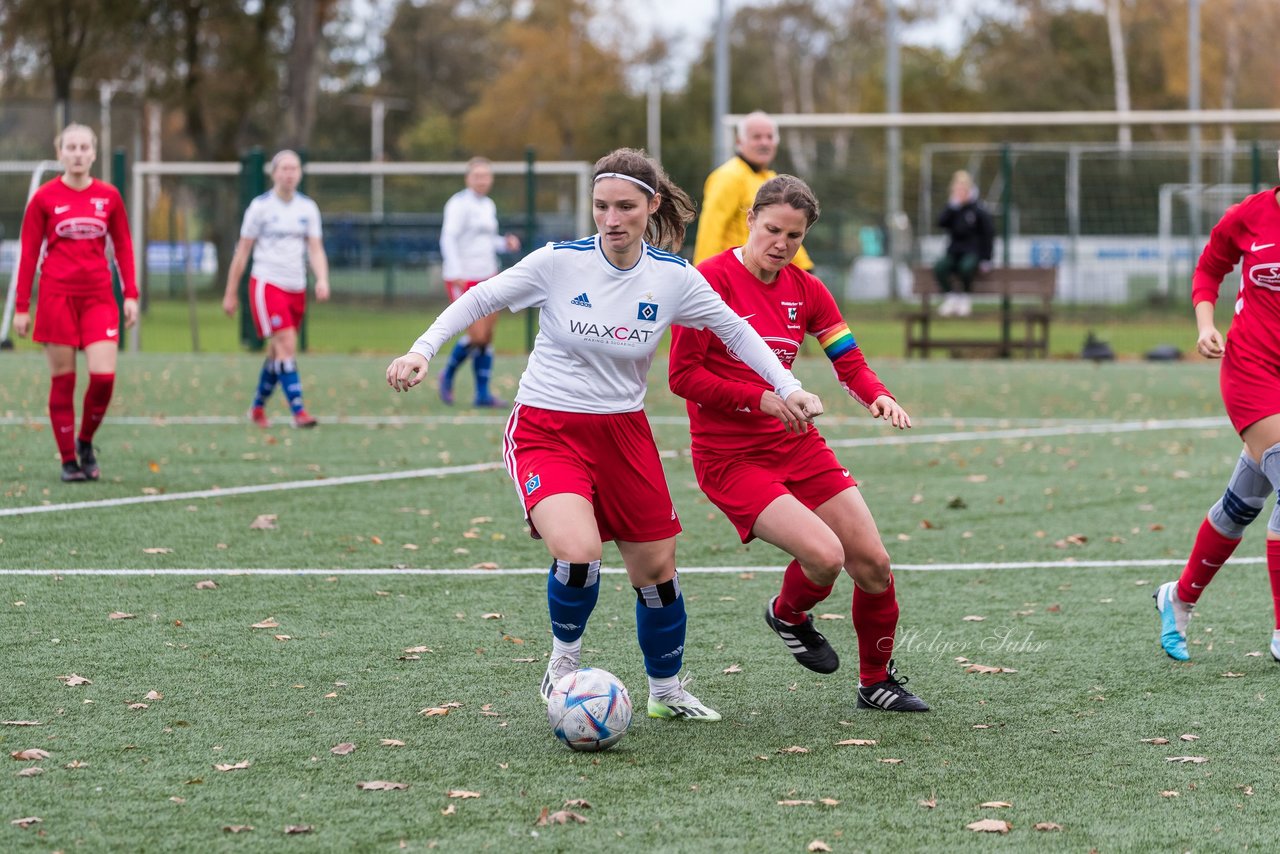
[407, 371]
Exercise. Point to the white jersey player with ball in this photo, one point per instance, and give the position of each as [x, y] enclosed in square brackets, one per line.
[578, 445]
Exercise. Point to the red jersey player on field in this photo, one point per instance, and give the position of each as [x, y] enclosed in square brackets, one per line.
[789, 489]
[1248, 234]
[64, 233]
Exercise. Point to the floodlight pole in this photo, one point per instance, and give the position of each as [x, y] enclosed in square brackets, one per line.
[720, 146]
[893, 142]
[1193, 104]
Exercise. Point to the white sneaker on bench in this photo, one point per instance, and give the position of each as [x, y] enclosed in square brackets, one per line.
[964, 305]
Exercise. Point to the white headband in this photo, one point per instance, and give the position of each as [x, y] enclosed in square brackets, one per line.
[635, 181]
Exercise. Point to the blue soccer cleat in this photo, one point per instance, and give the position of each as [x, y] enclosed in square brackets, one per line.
[1174, 615]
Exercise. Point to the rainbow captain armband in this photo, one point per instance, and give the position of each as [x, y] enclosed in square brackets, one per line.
[837, 341]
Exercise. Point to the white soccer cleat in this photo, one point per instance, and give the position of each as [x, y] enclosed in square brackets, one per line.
[1275, 644]
[681, 705]
[557, 668]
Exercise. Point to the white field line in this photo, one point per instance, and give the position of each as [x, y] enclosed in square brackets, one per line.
[940, 438]
[691, 570]
[249, 490]
[499, 420]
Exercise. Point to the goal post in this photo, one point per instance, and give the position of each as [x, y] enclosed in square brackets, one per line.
[37, 170]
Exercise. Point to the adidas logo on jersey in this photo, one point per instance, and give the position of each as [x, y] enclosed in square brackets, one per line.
[582, 300]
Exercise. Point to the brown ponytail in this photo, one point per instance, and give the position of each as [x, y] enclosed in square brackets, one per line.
[675, 210]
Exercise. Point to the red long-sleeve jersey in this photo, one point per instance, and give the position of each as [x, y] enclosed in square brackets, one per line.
[1248, 231]
[73, 227]
[723, 394]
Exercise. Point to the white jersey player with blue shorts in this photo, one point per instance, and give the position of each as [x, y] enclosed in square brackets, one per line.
[577, 445]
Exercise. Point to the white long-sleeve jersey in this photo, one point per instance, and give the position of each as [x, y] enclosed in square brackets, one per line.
[599, 326]
[469, 239]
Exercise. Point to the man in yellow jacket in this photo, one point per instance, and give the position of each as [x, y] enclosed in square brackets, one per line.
[731, 189]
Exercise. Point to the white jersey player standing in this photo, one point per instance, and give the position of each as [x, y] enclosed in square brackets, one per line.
[578, 445]
[281, 229]
[469, 247]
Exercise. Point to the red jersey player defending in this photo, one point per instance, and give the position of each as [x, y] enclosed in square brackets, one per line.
[788, 488]
[64, 233]
[1248, 233]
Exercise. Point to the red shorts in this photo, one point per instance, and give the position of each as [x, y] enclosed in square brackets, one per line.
[610, 460]
[274, 308]
[76, 320]
[1250, 388]
[455, 288]
[742, 485]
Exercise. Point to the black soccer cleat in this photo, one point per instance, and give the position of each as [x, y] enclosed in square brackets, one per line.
[890, 695]
[804, 642]
[88, 460]
[72, 473]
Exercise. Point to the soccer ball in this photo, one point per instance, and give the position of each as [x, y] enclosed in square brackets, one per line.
[589, 709]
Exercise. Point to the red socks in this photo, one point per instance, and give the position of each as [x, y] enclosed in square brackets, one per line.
[62, 414]
[96, 398]
[875, 619]
[1273, 570]
[1208, 554]
[798, 595]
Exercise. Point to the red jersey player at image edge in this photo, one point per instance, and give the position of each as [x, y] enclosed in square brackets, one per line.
[66, 230]
[1248, 234]
[578, 446]
[789, 489]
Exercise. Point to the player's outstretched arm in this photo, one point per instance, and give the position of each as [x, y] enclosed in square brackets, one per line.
[407, 371]
[890, 410]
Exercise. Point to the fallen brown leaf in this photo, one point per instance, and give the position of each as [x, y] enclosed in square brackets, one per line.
[33, 771]
[268, 623]
[995, 804]
[380, 785]
[76, 763]
[580, 803]
[263, 522]
[137, 707]
[732, 668]
[342, 749]
[983, 668]
[298, 828]
[226, 766]
[24, 823]
[391, 742]
[1047, 825]
[990, 825]
[418, 649]
[492, 615]
[830, 802]
[237, 828]
[829, 617]
[207, 584]
[153, 695]
[1230, 675]
[818, 845]
[30, 754]
[566, 816]
[930, 803]
[434, 712]
[451, 809]
[974, 618]
[1189, 737]
[795, 803]
[73, 680]
[795, 748]
[1195, 760]
[1169, 793]
[158, 550]
[857, 742]
[461, 794]
[22, 723]
[1159, 740]
[120, 615]
[890, 761]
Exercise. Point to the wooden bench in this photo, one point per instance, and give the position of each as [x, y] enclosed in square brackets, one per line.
[1032, 287]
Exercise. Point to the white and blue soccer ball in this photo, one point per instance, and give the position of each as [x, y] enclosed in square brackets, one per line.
[589, 709]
